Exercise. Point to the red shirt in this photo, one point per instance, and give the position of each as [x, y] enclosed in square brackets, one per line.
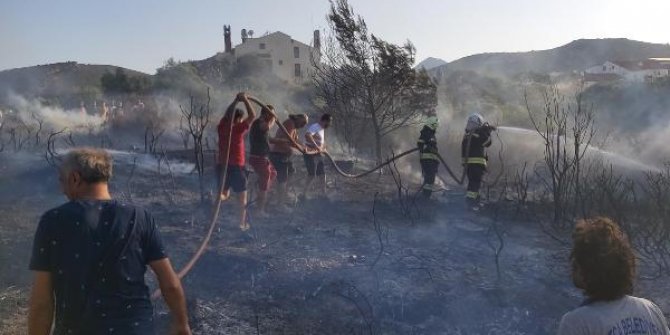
[236, 156]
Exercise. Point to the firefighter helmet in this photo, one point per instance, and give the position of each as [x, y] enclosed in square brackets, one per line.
[475, 121]
[432, 122]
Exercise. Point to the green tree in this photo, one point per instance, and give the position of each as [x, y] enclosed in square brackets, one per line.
[115, 83]
[183, 78]
[369, 83]
[140, 85]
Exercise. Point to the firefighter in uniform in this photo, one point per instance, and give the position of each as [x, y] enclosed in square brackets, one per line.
[428, 155]
[473, 150]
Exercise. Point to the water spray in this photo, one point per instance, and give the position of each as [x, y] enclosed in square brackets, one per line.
[613, 157]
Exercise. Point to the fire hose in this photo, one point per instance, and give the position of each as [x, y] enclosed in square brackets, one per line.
[460, 180]
[217, 209]
[217, 206]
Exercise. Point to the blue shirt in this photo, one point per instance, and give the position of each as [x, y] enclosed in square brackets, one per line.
[97, 252]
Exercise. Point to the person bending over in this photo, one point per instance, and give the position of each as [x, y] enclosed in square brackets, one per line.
[603, 266]
[282, 152]
[232, 129]
[90, 255]
[259, 139]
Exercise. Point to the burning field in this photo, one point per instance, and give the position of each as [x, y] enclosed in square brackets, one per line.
[516, 148]
[369, 257]
[329, 266]
[364, 260]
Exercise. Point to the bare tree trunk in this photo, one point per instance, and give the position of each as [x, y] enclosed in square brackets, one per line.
[378, 147]
[197, 118]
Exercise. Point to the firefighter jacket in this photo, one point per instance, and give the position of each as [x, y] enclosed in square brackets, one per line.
[427, 144]
[473, 147]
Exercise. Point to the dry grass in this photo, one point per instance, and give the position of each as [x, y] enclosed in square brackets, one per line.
[14, 308]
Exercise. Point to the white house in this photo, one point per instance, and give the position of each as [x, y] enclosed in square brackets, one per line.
[636, 71]
[289, 59]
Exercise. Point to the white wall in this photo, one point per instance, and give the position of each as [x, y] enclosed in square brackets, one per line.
[279, 51]
[638, 76]
[608, 68]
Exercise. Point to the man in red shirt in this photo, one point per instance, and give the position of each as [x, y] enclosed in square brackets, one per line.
[232, 153]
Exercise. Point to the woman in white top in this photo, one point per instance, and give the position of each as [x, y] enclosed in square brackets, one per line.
[603, 266]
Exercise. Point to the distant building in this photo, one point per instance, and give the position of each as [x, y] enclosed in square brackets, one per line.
[663, 61]
[647, 70]
[289, 59]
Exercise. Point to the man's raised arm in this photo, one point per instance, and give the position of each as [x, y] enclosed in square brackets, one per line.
[231, 109]
[251, 113]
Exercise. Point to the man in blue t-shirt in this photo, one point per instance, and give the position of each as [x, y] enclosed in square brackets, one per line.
[90, 256]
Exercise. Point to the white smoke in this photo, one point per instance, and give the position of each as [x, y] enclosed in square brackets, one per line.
[55, 118]
[652, 144]
[528, 144]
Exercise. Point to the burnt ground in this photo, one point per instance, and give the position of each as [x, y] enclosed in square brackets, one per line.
[318, 269]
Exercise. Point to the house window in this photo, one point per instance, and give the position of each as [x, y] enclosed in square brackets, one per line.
[296, 52]
[604, 68]
[262, 46]
[298, 72]
[281, 62]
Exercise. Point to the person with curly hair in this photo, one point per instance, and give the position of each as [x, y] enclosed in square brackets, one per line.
[603, 266]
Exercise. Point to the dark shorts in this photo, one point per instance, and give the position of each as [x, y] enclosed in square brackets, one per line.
[314, 165]
[283, 164]
[236, 178]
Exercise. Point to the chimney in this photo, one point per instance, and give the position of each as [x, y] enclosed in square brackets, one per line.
[317, 40]
[244, 35]
[227, 39]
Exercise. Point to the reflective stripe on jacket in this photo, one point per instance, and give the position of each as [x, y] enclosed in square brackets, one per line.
[474, 144]
[476, 160]
[429, 155]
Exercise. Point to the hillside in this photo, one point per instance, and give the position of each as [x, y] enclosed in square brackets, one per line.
[574, 56]
[67, 84]
[430, 63]
[57, 79]
[76, 81]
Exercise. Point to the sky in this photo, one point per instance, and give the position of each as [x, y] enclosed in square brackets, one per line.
[142, 34]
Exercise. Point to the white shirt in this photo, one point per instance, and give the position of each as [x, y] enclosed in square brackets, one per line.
[628, 315]
[318, 133]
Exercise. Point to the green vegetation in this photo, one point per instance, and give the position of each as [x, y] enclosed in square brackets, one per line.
[369, 83]
[120, 83]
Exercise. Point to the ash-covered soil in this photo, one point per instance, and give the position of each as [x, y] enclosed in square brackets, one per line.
[325, 266]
